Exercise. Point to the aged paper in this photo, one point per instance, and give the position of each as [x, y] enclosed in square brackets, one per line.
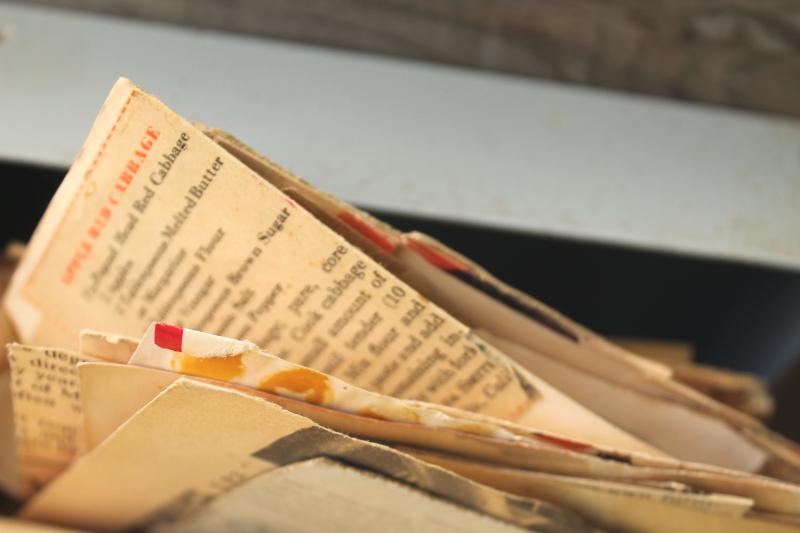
[172, 467]
[9, 473]
[8, 262]
[133, 387]
[146, 241]
[107, 346]
[677, 419]
[692, 436]
[474, 296]
[666, 352]
[582, 495]
[343, 498]
[744, 392]
[621, 507]
[48, 421]
[14, 525]
[200, 354]
[155, 221]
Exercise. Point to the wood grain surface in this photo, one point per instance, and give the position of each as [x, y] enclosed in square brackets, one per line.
[739, 53]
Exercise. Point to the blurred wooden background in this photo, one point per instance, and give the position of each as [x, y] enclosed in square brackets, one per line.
[737, 53]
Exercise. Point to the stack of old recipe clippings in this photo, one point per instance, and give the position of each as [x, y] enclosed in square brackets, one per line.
[200, 341]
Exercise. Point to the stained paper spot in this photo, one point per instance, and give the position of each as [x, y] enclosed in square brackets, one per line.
[312, 385]
[370, 413]
[224, 368]
[395, 412]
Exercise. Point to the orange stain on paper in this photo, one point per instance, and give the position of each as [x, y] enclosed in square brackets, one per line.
[401, 414]
[370, 413]
[473, 427]
[225, 368]
[312, 385]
